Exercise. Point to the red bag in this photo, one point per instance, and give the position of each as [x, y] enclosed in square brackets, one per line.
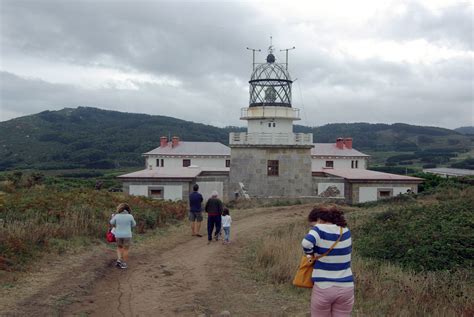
[110, 236]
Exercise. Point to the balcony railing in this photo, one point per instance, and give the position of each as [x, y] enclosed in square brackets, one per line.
[269, 112]
[270, 138]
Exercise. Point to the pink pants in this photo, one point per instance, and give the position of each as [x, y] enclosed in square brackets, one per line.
[332, 302]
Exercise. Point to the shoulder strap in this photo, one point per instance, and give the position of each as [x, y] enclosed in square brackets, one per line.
[332, 247]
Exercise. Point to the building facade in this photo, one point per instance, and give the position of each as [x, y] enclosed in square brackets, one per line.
[269, 160]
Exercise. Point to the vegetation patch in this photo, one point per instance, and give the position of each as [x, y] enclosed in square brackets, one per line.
[45, 218]
[390, 280]
[423, 238]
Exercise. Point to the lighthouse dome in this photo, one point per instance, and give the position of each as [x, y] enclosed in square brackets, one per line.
[270, 84]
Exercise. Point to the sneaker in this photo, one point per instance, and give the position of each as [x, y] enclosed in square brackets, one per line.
[123, 265]
[199, 235]
[118, 263]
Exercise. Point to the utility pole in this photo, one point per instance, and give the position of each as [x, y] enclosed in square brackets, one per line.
[287, 49]
[253, 55]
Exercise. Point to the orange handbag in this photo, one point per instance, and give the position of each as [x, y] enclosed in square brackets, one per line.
[305, 270]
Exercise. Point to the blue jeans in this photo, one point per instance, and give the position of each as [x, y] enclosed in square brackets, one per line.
[226, 233]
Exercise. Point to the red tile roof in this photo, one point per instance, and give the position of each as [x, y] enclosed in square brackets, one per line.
[183, 172]
[330, 149]
[192, 148]
[362, 174]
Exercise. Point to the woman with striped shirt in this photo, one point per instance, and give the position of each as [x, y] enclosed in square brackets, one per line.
[333, 290]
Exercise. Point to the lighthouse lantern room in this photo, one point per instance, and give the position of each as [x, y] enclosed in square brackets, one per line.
[270, 114]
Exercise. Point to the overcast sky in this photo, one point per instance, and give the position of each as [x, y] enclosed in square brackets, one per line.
[355, 61]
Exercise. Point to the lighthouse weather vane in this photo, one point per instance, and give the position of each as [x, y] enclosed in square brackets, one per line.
[287, 49]
[270, 53]
[253, 55]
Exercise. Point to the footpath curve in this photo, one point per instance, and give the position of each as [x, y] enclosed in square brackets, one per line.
[179, 281]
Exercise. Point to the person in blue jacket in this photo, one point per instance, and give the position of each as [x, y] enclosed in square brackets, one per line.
[123, 223]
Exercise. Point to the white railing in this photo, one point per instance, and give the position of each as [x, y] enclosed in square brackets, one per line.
[270, 112]
[270, 138]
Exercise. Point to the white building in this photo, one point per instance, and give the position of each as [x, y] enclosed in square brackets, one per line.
[269, 160]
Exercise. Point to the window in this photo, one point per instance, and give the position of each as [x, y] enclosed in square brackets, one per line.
[269, 124]
[384, 193]
[272, 167]
[160, 162]
[227, 163]
[186, 162]
[156, 192]
[355, 164]
[274, 124]
[329, 164]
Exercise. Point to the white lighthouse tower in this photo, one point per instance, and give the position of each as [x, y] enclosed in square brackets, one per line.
[270, 159]
[270, 115]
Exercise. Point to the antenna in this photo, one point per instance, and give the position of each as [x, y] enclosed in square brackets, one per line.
[287, 49]
[270, 48]
[253, 55]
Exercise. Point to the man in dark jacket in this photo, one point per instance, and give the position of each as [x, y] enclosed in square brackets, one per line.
[214, 209]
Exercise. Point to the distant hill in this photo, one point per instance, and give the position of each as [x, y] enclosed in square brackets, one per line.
[465, 130]
[94, 138]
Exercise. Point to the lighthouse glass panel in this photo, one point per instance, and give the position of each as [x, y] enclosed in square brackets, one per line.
[270, 85]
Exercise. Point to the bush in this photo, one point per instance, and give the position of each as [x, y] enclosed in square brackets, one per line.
[33, 218]
[466, 164]
[426, 237]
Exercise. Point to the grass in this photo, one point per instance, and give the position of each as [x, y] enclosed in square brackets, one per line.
[383, 288]
[44, 219]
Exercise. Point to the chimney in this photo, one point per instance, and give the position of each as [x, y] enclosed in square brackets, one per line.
[340, 143]
[348, 143]
[163, 141]
[174, 141]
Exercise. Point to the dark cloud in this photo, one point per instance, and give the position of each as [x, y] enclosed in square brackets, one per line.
[452, 25]
[186, 39]
[202, 46]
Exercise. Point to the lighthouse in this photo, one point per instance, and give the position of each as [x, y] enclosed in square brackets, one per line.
[270, 159]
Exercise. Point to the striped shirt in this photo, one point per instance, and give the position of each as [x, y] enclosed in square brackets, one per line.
[333, 269]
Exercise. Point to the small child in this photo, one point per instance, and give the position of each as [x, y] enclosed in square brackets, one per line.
[226, 222]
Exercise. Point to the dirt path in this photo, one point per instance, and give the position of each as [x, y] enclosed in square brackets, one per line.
[176, 282]
[181, 277]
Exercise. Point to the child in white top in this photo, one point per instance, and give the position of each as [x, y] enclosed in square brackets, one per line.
[226, 222]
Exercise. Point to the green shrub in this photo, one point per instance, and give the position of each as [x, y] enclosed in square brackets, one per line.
[430, 237]
[42, 219]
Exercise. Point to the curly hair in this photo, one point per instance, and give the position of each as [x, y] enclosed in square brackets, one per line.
[330, 214]
[122, 207]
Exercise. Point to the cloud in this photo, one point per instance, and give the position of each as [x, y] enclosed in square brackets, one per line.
[375, 61]
[450, 26]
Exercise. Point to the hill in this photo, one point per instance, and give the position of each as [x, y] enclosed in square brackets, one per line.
[465, 130]
[93, 138]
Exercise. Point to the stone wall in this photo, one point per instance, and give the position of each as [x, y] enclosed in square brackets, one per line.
[224, 179]
[316, 180]
[185, 183]
[355, 187]
[249, 166]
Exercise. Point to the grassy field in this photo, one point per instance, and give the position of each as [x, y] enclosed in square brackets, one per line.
[391, 285]
[39, 218]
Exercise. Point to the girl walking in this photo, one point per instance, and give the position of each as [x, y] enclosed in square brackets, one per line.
[226, 223]
[123, 222]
